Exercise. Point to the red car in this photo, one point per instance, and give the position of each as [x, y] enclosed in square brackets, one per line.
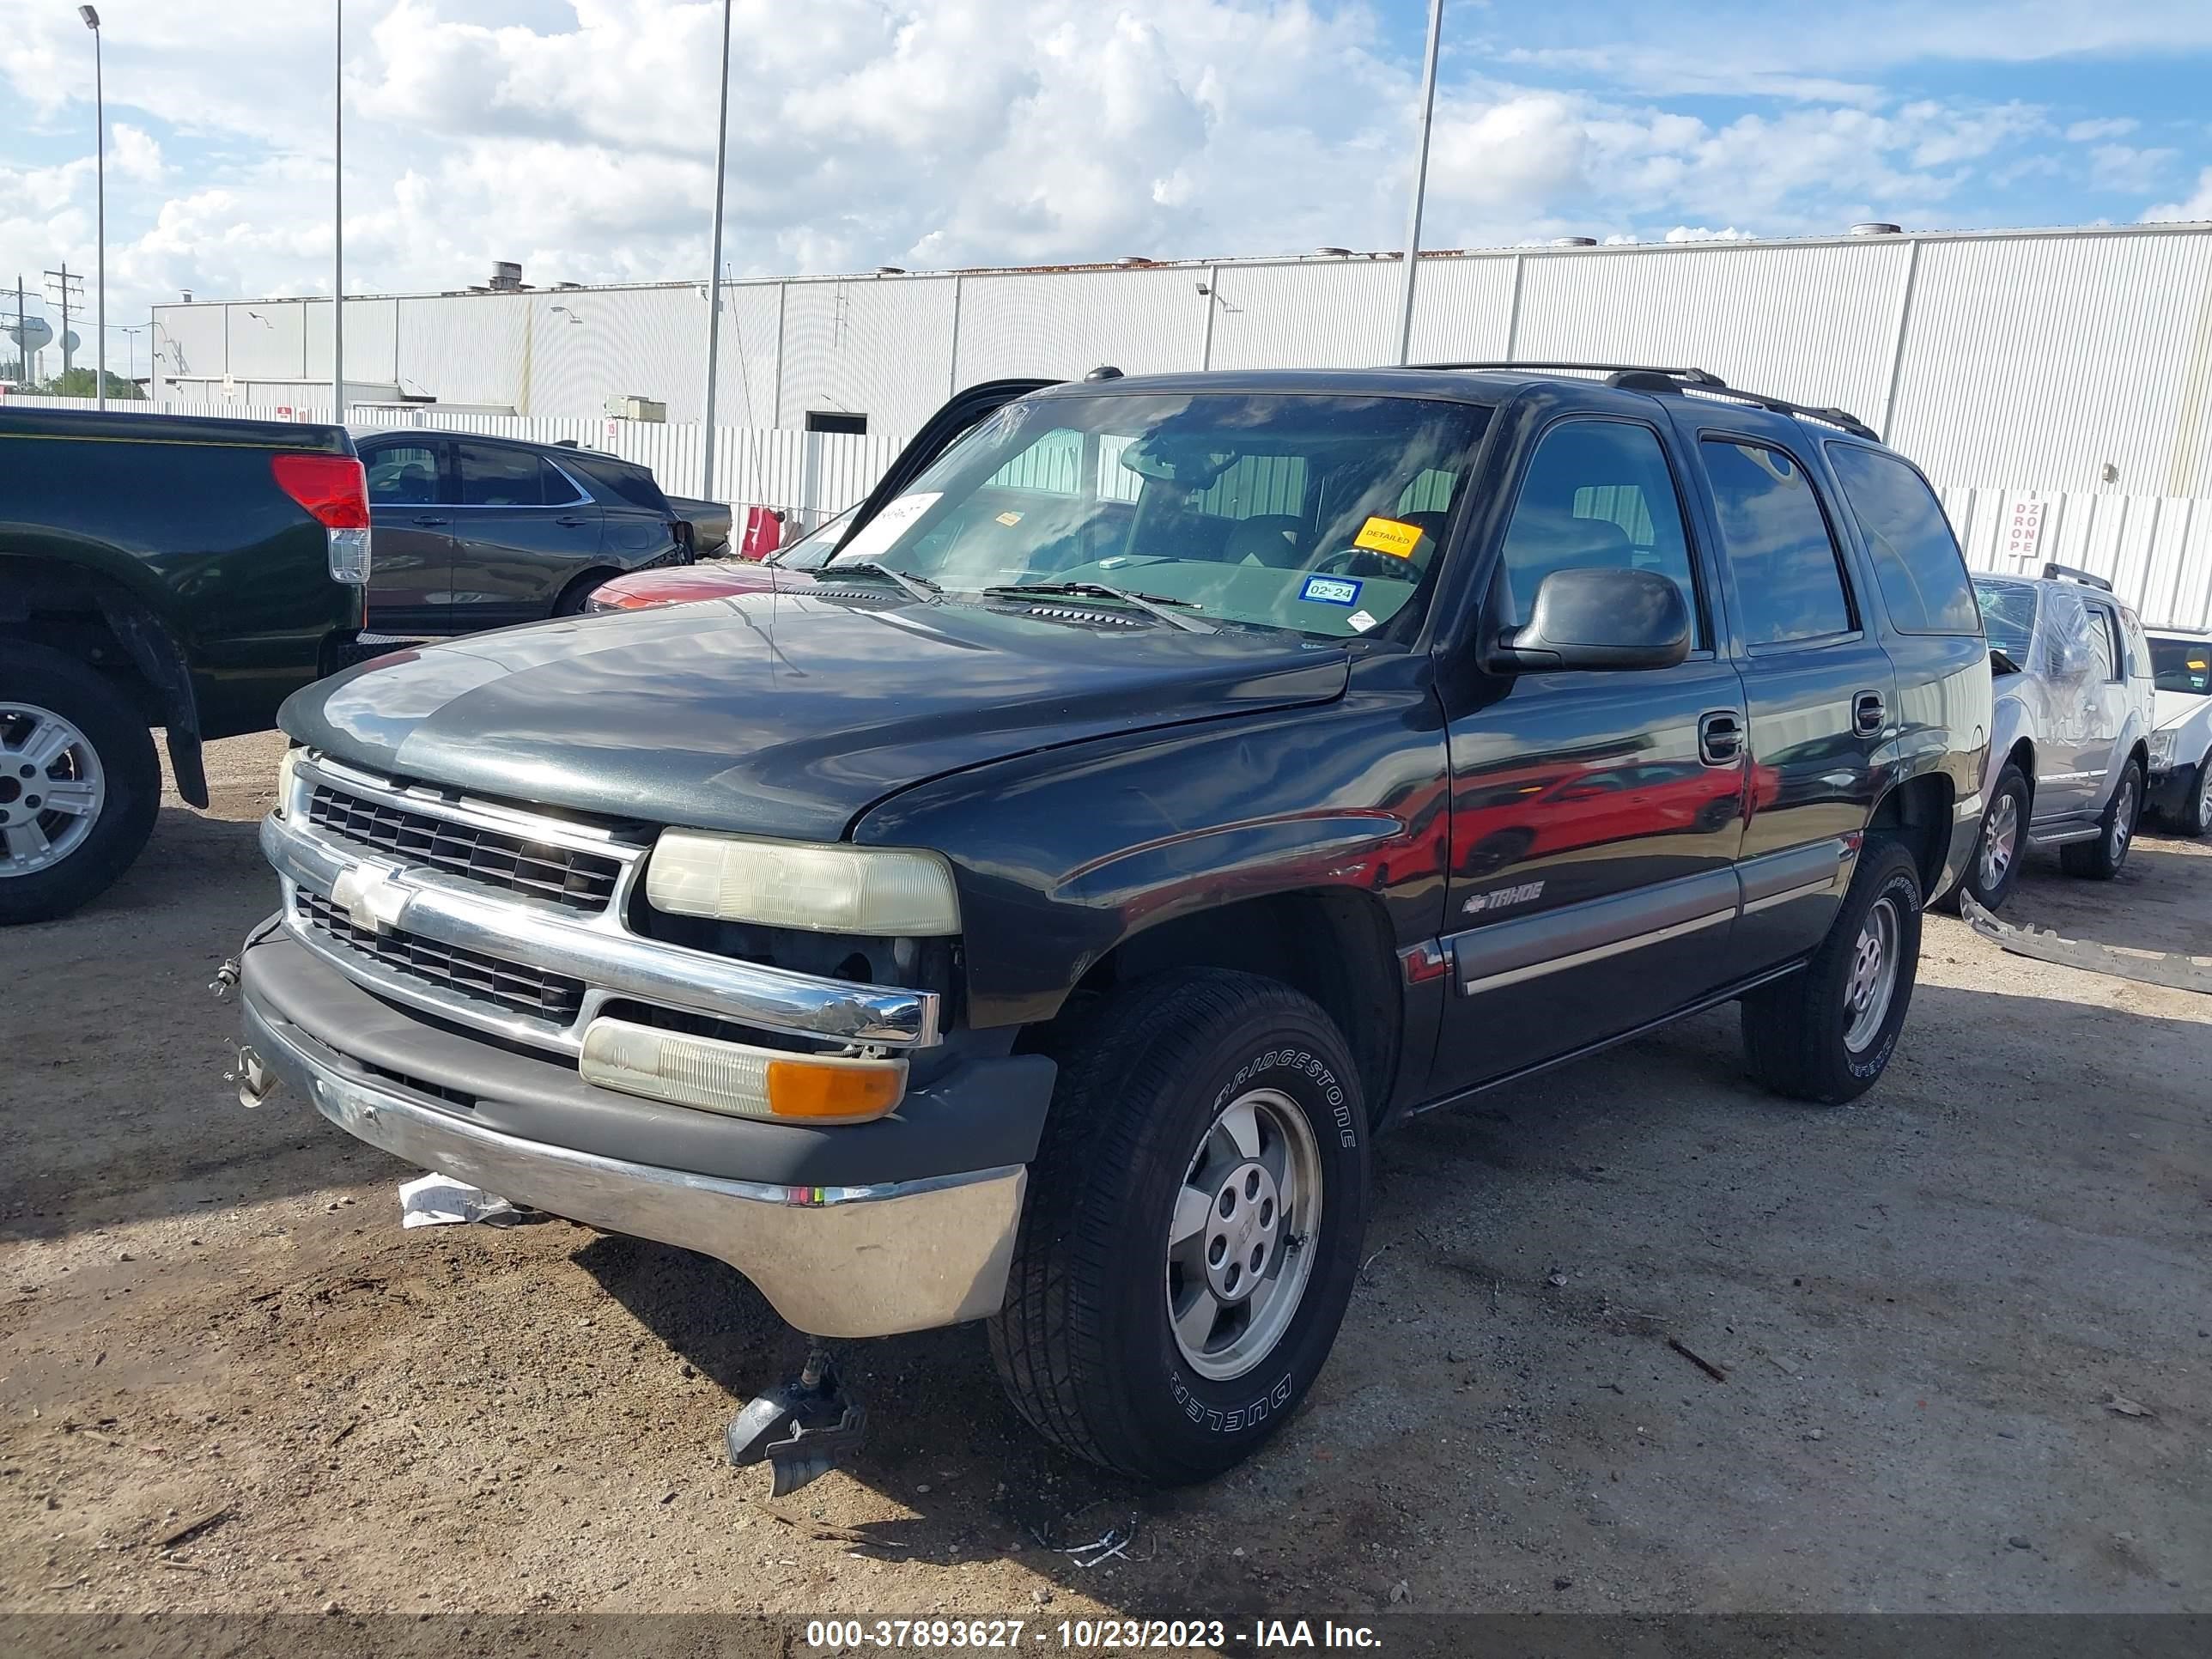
[788, 568]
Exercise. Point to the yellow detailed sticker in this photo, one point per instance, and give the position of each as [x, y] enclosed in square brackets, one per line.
[1010, 518]
[1388, 536]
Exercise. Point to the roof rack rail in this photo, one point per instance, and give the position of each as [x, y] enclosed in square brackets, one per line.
[1645, 377]
[2067, 573]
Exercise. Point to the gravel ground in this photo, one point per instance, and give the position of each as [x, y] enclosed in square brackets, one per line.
[1965, 1328]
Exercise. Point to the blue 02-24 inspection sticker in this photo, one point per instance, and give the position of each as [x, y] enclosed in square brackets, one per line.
[1330, 590]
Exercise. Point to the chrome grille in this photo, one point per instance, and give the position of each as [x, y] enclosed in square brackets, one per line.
[567, 876]
[514, 985]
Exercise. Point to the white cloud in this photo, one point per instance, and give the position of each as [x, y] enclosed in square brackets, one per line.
[2115, 126]
[134, 152]
[2118, 167]
[1706, 233]
[2197, 206]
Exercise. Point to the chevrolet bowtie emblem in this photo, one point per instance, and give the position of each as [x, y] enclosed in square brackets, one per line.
[373, 900]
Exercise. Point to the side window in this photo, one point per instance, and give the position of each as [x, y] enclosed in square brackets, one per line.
[1923, 579]
[1598, 495]
[555, 489]
[402, 474]
[494, 476]
[1776, 537]
[2104, 635]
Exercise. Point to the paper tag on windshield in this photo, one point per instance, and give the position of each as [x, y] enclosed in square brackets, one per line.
[1359, 622]
[1390, 536]
[887, 526]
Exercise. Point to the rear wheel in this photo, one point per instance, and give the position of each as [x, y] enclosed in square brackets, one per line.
[1193, 1226]
[1826, 1034]
[573, 597]
[2196, 814]
[79, 784]
[2100, 860]
[2004, 838]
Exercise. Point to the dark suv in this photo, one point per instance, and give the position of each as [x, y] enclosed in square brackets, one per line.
[475, 532]
[1170, 784]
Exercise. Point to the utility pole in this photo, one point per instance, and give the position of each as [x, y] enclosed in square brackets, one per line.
[1420, 182]
[100, 133]
[715, 272]
[65, 289]
[23, 340]
[338, 222]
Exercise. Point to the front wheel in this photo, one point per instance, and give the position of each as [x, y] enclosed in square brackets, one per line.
[2100, 860]
[1193, 1226]
[2002, 839]
[1826, 1034]
[2196, 814]
[79, 784]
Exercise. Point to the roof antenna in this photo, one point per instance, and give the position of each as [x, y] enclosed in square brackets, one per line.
[1104, 372]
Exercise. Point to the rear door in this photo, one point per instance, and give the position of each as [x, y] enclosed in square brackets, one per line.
[1595, 815]
[2110, 698]
[411, 545]
[524, 529]
[1820, 687]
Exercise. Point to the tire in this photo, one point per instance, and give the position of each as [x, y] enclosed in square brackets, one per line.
[2100, 860]
[571, 602]
[106, 761]
[2195, 816]
[1496, 852]
[1084, 1344]
[1998, 844]
[1798, 1032]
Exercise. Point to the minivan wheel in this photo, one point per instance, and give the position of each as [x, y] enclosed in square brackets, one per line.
[1826, 1034]
[2100, 860]
[1193, 1226]
[79, 784]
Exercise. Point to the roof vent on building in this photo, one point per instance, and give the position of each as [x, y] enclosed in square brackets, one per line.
[1133, 260]
[505, 277]
[1877, 228]
[1574, 242]
[890, 270]
[1335, 252]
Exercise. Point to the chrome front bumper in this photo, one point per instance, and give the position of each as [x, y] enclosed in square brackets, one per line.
[838, 1261]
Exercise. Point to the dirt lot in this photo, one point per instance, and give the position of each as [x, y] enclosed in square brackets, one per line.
[1966, 1326]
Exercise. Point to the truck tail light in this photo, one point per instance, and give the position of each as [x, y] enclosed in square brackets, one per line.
[335, 491]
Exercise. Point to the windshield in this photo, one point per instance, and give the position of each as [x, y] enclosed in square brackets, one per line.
[2183, 666]
[2008, 617]
[1320, 514]
[812, 551]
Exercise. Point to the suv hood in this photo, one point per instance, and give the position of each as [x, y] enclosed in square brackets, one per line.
[2171, 707]
[775, 714]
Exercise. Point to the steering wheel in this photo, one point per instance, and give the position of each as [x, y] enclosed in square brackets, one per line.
[1364, 563]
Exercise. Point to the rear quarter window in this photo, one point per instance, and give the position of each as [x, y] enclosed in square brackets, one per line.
[1916, 563]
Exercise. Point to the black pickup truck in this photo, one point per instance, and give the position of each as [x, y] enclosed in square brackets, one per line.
[155, 570]
[1171, 784]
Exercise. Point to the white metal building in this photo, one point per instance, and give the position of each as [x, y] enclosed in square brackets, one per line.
[2055, 360]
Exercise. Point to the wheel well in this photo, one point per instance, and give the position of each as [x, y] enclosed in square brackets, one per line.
[1917, 814]
[65, 609]
[2023, 756]
[584, 584]
[1333, 946]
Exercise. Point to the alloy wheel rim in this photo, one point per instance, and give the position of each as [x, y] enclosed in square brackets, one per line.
[2000, 839]
[52, 788]
[1872, 983]
[2204, 790]
[2123, 819]
[1242, 1235]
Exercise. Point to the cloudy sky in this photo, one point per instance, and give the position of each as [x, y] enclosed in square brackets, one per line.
[577, 136]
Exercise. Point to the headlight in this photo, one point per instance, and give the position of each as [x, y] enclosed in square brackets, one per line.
[884, 892]
[2161, 749]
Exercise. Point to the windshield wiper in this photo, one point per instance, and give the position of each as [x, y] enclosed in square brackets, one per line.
[919, 587]
[1154, 605]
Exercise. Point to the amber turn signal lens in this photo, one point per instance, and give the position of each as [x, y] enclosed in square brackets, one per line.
[805, 1089]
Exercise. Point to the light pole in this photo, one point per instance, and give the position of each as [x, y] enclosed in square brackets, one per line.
[337, 217]
[1420, 182]
[100, 124]
[715, 269]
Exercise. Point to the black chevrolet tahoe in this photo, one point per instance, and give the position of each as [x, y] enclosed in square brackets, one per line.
[1172, 783]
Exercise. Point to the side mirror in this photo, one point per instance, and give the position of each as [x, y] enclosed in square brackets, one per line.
[1613, 618]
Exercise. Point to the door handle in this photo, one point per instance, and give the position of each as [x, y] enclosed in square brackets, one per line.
[1867, 713]
[431, 521]
[571, 520]
[1720, 737]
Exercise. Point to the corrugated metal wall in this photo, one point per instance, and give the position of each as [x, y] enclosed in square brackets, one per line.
[2042, 357]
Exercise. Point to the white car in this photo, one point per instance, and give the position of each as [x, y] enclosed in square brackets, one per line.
[2181, 728]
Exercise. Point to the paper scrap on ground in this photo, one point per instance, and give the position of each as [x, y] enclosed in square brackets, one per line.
[436, 1201]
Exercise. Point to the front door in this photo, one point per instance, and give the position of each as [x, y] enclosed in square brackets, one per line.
[1595, 815]
[410, 537]
[524, 530]
[1820, 689]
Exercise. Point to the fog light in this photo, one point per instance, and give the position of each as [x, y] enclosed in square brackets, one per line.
[736, 1080]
